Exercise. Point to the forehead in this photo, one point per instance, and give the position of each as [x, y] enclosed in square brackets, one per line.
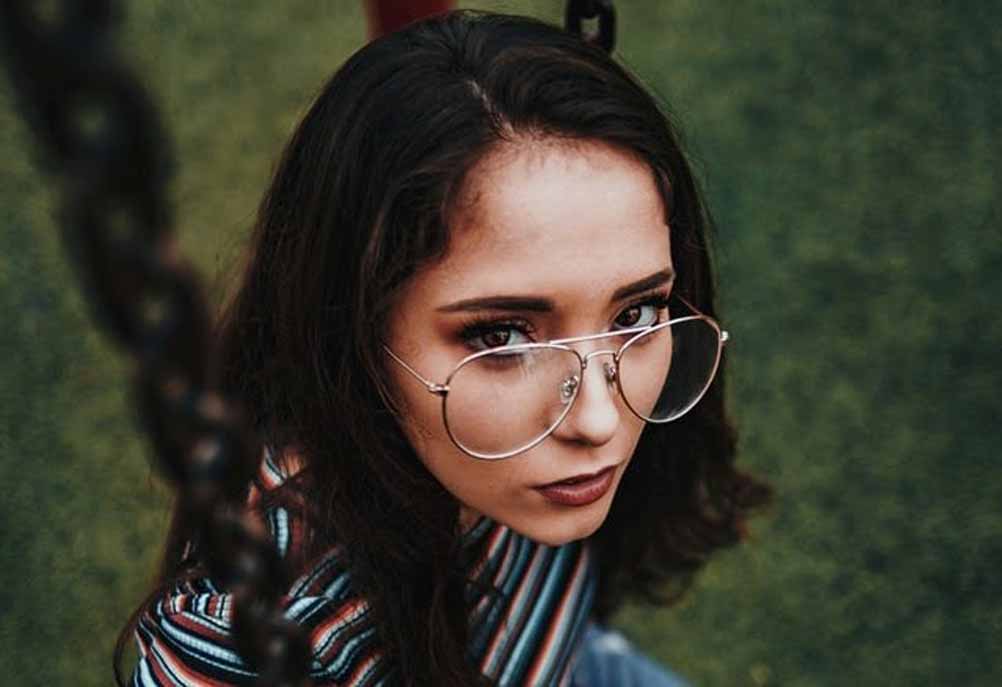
[553, 218]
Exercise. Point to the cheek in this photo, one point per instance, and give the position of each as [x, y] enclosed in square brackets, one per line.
[480, 485]
[422, 423]
[495, 416]
[419, 412]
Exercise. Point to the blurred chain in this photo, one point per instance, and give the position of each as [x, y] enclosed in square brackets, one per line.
[104, 142]
[603, 10]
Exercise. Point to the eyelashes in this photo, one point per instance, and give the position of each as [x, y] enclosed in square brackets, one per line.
[657, 303]
[483, 332]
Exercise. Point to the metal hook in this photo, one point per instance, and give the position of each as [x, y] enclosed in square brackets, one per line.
[577, 10]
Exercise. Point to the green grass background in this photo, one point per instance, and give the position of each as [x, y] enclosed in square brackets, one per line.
[850, 153]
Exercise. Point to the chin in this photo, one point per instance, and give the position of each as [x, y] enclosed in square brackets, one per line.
[564, 528]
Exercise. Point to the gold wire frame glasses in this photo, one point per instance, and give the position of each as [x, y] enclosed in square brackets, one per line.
[503, 401]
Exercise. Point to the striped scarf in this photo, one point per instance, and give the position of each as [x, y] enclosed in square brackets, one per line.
[529, 607]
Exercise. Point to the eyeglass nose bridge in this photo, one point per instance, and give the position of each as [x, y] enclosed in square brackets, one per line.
[610, 369]
[570, 386]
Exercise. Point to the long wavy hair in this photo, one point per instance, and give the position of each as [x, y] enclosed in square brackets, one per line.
[361, 198]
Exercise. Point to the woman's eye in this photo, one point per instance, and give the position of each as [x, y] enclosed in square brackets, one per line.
[639, 315]
[496, 337]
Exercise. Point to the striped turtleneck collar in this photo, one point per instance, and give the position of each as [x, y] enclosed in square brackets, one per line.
[529, 603]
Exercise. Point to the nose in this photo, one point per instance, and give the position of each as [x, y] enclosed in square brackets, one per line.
[594, 418]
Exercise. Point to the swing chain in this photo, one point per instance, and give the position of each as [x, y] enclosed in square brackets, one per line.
[603, 10]
[104, 142]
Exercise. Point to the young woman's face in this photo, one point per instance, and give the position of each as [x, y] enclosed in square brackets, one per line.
[549, 240]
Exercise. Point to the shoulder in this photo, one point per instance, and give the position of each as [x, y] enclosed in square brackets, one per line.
[185, 635]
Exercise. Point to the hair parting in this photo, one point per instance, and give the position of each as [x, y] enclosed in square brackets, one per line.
[361, 198]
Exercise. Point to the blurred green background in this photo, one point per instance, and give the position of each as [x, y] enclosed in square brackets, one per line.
[850, 152]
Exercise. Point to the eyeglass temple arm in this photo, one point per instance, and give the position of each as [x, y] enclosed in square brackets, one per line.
[438, 389]
[724, 335]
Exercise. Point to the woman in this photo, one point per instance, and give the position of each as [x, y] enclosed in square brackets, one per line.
[476, 334]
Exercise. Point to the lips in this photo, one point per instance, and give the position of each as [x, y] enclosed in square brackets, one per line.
[579, 490]
[578, 479]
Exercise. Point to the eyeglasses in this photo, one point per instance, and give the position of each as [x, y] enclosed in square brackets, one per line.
[503, 401]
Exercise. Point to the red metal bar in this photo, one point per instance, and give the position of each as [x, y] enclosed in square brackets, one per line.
[386, 16]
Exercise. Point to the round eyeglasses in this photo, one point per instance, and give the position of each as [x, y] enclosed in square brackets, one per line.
[502, 401]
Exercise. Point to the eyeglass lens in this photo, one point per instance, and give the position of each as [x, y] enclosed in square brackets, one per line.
[504, 401]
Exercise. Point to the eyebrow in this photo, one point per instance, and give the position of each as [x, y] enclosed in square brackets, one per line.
[535, 304]
[646, 284]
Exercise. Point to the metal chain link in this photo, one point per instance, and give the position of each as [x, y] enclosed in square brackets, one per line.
[105, 144]
[603, 10]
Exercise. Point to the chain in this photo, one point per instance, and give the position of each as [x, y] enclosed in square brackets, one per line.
[603, 10]
[104, 142]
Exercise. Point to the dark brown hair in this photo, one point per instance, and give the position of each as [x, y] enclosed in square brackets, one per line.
[359, 200]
